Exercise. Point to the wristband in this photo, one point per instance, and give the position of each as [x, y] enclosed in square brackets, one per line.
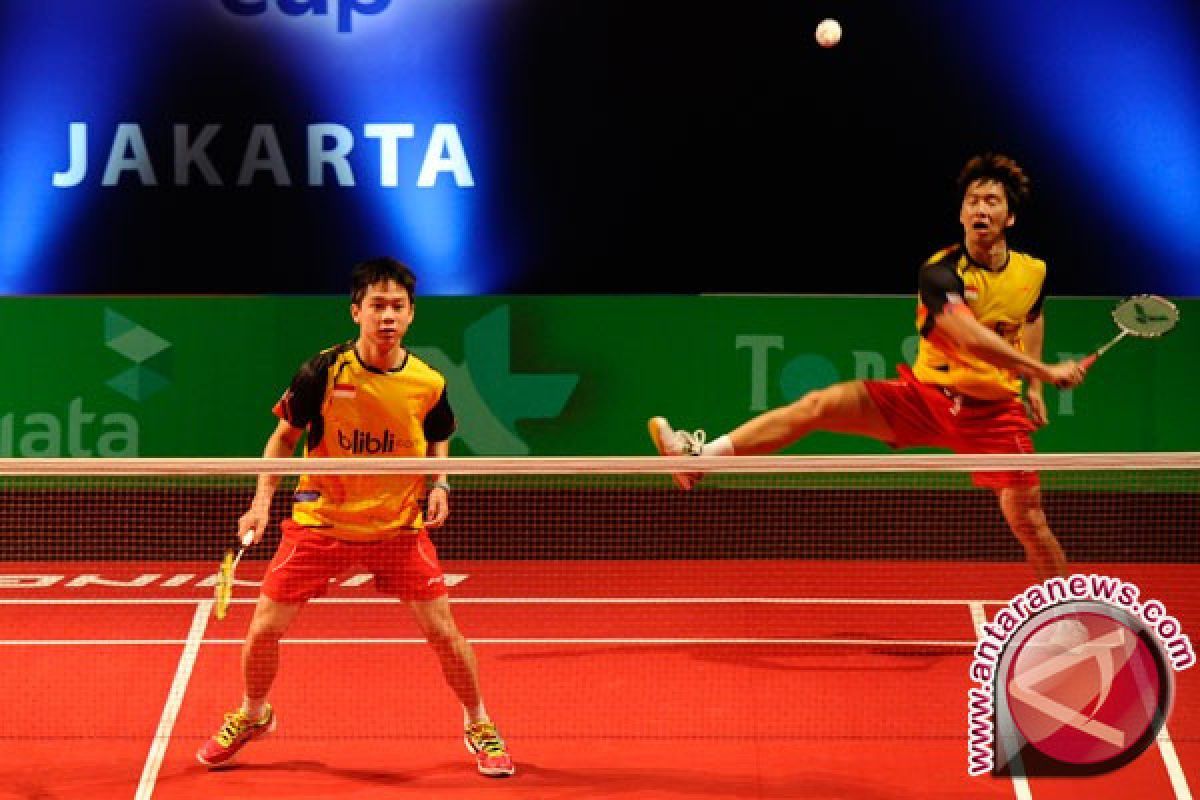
[440, 485]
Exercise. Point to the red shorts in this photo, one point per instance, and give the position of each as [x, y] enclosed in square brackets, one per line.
[405, 567]
[927, 415]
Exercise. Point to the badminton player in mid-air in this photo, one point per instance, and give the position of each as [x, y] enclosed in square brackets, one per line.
[369, 396]
[979, 312]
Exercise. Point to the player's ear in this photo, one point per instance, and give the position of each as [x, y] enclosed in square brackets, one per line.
[1012, 220]
[355, 312]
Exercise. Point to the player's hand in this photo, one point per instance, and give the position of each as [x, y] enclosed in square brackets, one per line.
[438, 508]
[253, 521]
[1035, 404]
[1065, 375]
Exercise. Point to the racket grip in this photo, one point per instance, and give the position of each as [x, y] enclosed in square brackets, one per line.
[248, 538]
[1087, 361]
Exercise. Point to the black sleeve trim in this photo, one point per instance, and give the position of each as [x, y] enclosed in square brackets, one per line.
[1036, 311]
[301, 404]
[937, 284]
[440, 423]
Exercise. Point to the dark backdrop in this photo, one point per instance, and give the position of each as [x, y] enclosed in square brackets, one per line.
[616, 146]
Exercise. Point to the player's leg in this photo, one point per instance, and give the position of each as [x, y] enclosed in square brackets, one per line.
[260, 651]
[461, 670]
[299, 571]
[407, 567]
[841, 408]
[260, 663]
[1022, 508]
[1004, 427]
[454, 653]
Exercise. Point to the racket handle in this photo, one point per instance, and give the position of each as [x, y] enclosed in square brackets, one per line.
[248, 538]
[1087, 361]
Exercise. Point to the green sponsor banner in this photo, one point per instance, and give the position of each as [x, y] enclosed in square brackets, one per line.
[197, 376]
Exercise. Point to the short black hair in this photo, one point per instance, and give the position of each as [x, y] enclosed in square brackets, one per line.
[1001, 169]
[379, 270]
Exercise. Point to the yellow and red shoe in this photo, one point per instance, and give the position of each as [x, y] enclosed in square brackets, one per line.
[236, 731]
[491, 756]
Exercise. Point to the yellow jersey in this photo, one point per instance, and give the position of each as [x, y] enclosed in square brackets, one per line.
[1004, 300]
[351, 410]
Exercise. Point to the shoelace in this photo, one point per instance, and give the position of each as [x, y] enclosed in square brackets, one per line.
[485, 737]
[236, 723]
[690, 443]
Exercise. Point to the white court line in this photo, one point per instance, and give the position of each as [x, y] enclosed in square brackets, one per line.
[978, 617]
[183, 673]
[1020, 783]
[1021, 788]
[947, 643]
[1170, 758]
[801, 601]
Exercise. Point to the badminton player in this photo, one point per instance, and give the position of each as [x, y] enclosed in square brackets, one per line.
[979, 313]
[368, 397]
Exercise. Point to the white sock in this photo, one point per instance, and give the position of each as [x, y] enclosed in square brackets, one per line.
[254, 711]
[477, 714]
[721, 446]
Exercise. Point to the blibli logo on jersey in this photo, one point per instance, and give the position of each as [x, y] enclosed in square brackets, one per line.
[363, 443]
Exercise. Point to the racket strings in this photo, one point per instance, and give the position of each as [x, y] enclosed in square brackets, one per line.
[1146, 315]
[223, 589]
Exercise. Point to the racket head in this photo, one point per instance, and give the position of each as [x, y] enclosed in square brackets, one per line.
[223, 588]
[1146, 315]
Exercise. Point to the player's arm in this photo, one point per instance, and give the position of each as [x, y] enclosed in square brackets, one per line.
[281, 444]
[1033, 335]
[438, 507]
[951, 324]
[297, 410]
[958, 325]
[439, 426]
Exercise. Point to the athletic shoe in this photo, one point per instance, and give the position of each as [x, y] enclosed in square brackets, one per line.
[485, 743]
[670, 442]
[237, 730]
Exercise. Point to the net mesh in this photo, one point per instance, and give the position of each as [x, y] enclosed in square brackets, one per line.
[676, 614]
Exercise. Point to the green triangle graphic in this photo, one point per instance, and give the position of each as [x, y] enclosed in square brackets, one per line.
[115, 325]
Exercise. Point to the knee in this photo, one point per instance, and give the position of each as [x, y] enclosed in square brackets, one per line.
[442, 635]
[264, 632]
[812, 405]
[1031, 522]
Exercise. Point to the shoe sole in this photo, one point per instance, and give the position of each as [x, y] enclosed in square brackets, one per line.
[491, 773]
[682, 480]
[269, 730]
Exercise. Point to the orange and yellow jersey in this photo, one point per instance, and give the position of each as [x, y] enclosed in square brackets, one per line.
[350, 410]
[1003, 300]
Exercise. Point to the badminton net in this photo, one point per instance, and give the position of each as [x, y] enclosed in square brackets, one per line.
[584, 584]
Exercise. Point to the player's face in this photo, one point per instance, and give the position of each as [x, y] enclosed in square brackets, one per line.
[985, 215]
[384, 314]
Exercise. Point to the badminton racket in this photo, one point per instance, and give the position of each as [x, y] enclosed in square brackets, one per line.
[223, 589]
[1146, 316]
